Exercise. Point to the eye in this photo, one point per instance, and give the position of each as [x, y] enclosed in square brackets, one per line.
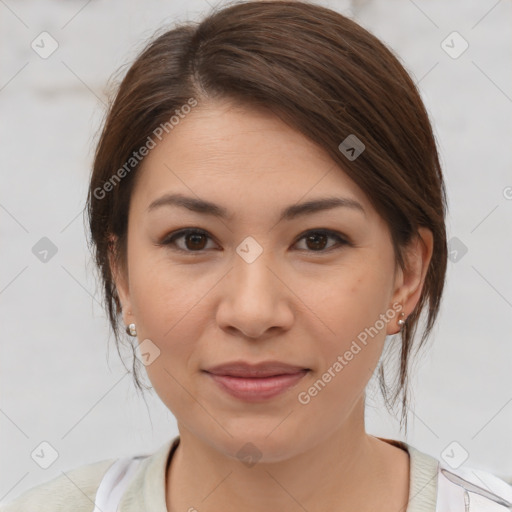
[317, 239]
[195, 240]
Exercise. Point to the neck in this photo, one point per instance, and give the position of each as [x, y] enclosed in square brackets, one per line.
[347, 470]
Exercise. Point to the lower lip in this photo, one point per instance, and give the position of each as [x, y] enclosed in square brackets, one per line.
[257, 389]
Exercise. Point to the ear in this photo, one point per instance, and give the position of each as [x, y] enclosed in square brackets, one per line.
[120, 278]
[409, 281]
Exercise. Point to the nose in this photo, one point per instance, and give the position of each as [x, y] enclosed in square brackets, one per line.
[255, 298]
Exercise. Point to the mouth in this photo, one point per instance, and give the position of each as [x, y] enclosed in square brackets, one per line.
[256, 382]
[258, 370]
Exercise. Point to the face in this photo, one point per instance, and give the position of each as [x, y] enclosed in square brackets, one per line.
[317, 288]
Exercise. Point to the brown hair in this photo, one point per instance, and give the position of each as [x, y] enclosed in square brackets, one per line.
[325, 76]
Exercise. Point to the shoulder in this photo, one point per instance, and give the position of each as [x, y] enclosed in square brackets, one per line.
[79, 489]
[475, 488]
[462, 488]
[74, 490]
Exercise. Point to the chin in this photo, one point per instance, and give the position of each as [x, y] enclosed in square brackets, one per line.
[264, 445]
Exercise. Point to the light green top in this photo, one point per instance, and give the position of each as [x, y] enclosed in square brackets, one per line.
[76, 489]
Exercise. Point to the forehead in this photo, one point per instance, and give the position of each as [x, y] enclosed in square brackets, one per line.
[242, 156]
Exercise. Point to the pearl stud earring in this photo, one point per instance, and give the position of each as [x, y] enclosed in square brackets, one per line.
[401, 321]
[131, 330]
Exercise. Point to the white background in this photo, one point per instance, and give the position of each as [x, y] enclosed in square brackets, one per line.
[61, 379]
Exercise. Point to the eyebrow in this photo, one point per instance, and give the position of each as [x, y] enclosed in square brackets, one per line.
[288, 213]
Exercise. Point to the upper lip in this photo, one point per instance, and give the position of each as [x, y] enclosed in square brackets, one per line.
[263, 369]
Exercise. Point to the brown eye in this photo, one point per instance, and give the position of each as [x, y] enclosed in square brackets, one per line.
[316, 241]
[194, 240]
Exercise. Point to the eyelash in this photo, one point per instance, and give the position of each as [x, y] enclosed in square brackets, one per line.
[172, 237]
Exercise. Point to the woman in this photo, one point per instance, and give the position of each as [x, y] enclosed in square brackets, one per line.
[266, 207]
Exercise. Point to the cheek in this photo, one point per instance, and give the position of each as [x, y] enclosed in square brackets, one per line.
[169, 304]
[349, 351]
[171, 312]
[351, 300]
[164, 294]
[352, 307]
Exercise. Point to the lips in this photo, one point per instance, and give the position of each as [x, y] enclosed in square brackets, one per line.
[256, 382]
[259, 370]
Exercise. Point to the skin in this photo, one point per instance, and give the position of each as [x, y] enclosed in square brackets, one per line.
[295, 303]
